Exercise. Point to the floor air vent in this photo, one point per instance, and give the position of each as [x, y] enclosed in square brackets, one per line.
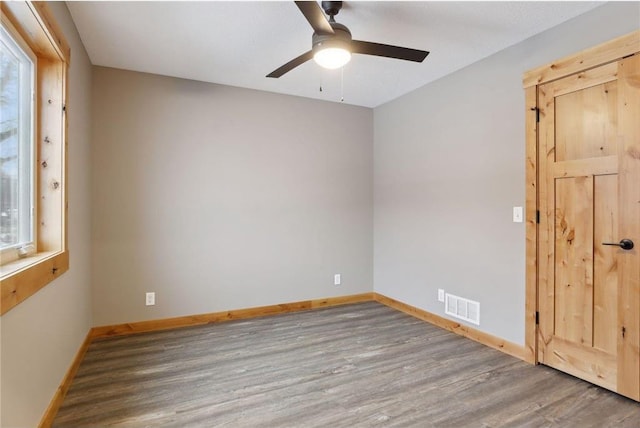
[462, 308]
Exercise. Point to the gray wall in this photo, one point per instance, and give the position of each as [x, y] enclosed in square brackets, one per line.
[219, 198]
[41, 336]
[449, 167]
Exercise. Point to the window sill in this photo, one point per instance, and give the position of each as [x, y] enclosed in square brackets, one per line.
[24, 277]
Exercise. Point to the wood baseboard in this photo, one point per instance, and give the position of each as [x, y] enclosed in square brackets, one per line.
[58, 397]
[215, 317]
[487, 339]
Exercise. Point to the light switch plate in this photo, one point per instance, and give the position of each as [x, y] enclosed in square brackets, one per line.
[517, 214]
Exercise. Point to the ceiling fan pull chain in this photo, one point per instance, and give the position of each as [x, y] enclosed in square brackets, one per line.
[342, 85]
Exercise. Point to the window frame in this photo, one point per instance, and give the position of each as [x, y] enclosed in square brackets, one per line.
[21, 278]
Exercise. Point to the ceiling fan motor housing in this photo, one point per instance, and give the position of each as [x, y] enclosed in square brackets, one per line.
[340, 39]
[331, 8]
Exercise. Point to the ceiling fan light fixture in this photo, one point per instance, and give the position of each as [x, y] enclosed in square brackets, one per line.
[332, 50]
[332, 57]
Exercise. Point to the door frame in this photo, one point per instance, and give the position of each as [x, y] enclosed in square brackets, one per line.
[604, 53]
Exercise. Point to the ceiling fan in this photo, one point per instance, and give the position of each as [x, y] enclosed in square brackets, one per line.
[332, 44]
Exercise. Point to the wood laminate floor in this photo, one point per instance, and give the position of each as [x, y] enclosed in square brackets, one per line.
[362, 365]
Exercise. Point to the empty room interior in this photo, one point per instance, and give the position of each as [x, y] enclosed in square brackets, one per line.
[204, 224]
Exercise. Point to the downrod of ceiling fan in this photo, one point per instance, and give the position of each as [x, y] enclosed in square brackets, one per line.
[331, 8]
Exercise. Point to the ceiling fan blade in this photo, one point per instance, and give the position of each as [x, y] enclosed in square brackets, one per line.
[311, 10]
[291, 65]
[378, 49]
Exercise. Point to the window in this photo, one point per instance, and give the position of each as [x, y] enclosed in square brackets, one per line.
[17, 137]
[33, 215]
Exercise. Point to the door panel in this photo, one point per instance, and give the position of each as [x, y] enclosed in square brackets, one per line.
[589, 175]
[573, 252]
[593, 133]
[605, 268]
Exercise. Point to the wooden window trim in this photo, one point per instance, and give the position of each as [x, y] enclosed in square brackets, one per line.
[596, 56]
[24, 277]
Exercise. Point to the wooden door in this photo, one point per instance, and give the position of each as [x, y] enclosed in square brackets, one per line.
[589, 194]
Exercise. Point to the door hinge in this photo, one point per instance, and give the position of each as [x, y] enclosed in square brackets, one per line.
[537, 114]
[537, 318]
[538, 216]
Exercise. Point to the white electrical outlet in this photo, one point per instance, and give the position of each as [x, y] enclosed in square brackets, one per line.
[337, 279]
[440, 295]
[150, 299]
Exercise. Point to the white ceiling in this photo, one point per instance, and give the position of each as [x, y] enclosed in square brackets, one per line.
[238, 43]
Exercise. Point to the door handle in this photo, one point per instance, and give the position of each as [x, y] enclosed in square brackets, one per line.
[625, 244]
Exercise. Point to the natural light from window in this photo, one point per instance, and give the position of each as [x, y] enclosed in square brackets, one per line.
[17, 64]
